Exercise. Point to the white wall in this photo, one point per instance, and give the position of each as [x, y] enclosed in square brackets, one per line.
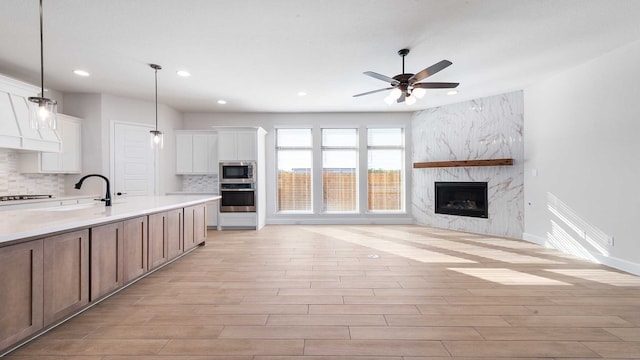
[98, 112]
[117, 108]
[487, 128]
[582, 129]
[95, 148]
[269, 121]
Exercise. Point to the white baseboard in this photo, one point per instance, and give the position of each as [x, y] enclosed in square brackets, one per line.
[341, 221]
[611, 261]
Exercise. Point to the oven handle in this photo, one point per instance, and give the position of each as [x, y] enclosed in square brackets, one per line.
[237, 190]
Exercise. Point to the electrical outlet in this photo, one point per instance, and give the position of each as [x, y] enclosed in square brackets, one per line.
[610, 240]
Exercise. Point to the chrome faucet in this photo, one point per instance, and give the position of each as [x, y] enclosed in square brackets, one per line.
[107, 198]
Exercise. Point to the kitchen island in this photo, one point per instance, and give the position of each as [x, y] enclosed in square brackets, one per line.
[57, 261]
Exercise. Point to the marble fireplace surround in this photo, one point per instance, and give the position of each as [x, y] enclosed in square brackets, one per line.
[481, 129]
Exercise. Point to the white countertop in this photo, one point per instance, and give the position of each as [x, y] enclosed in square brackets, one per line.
[32, 223]
[51, 199]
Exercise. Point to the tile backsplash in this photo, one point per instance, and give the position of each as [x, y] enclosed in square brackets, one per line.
[12, 182]
[200, 183]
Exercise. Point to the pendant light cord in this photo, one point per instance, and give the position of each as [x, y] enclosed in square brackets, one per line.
[156, 69]
[41, 55]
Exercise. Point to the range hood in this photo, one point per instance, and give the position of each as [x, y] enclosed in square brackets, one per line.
[15, 131]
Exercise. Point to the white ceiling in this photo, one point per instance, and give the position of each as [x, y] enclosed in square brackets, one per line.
[258, 54]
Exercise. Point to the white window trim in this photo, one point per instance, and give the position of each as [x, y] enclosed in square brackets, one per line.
[316, 216]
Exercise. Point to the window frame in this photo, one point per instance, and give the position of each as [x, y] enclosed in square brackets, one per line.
[356, 148]
[403, 175]
[310, 148]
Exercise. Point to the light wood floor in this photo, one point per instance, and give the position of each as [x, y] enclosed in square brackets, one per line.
[317, 292]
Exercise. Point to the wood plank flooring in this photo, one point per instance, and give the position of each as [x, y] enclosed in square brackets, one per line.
[397, 292]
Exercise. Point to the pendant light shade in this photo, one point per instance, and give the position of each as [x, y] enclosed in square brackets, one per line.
[157, 137]
[42, 111]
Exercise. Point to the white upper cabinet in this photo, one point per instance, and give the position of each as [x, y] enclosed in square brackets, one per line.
[196, 153]
[68, 161]
[15, 130]
[237, 145]
[184, 153]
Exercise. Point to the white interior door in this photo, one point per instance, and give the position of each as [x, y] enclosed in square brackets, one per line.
[133, 160]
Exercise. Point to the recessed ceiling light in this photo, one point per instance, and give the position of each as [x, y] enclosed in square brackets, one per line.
[183, 73]
[452, 92]
[302, 93]
[222, 102]
[81, 73]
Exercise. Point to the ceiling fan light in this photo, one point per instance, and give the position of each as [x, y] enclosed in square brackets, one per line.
[389, 100]
[395, 94]
[410, 100]
[418, 92]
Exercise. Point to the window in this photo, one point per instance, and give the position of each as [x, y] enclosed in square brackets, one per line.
[339, 170]
[385, 154]
[294, 161]
[336, 172]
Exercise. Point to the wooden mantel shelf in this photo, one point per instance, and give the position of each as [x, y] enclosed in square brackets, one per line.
[463, 163]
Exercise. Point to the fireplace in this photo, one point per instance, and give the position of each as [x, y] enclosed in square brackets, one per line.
[462, 199]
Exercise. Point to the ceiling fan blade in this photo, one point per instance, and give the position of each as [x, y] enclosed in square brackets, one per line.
[373, 92]
[429, 71]
[436, 85]
[375, 75]
[401, 98]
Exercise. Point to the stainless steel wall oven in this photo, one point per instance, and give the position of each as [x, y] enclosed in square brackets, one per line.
[238, 197]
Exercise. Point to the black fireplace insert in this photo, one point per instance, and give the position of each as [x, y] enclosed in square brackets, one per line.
[462, 199]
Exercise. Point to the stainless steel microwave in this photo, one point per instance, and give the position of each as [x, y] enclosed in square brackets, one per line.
[237, 172]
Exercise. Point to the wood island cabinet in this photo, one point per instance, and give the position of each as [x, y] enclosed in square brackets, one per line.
[45, 281]
[66, 271]
[21, 311]
[135, 248]
[195, 229]
[175, 236]
[106, 259]
[158, 254]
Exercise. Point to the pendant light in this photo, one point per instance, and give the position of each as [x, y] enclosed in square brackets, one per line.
[42, 111]
[157, 138]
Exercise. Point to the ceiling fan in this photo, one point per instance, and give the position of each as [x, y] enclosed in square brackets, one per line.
[405, 86]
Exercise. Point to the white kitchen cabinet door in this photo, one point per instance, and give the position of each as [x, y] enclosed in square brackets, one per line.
[196, 153]
[71, 154]
[237, 145]
[212, 151]
[68, 160]
[227, 143]
[184, 153]
[199, 154]
[246, 145]
[205, 149]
